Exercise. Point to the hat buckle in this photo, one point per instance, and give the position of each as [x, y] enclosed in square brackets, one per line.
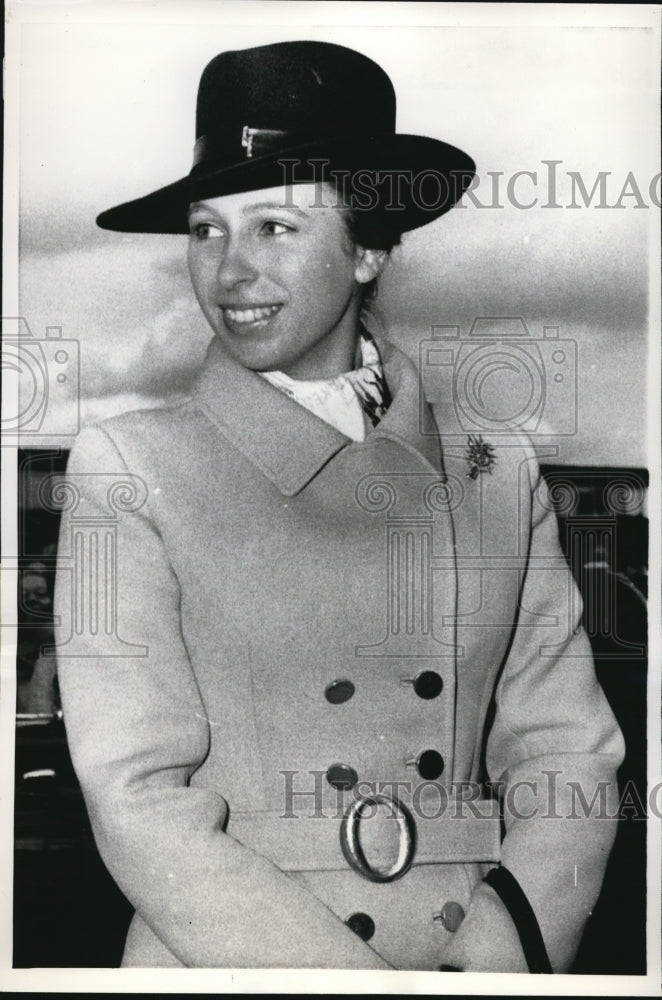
[247, 136]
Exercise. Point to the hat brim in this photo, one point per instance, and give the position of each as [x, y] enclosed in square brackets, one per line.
[415, 178]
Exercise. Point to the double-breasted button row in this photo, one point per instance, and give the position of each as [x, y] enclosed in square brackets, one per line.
[426, 685]
[429, 764]
[450, 916]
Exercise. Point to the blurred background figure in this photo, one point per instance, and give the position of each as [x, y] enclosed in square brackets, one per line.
[36, 679]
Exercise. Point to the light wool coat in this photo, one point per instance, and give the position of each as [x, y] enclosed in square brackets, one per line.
[255, 556]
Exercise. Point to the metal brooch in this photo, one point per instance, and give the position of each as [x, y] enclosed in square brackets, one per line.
[479, 455]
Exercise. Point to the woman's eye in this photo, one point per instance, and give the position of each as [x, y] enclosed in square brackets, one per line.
[273, 228]
[205, 231]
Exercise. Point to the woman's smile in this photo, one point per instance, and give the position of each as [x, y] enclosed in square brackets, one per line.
[247, 319]
[249, 315]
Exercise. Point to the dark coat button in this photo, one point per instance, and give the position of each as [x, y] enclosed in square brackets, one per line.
[342, 776]
[339, 691]
[430, 764]
[361, 924]
[428, 684]
[451, 916]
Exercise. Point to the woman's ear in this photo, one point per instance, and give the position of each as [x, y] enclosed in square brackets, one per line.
[368, 264]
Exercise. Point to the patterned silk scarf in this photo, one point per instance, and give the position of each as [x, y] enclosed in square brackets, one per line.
[369, 382]
[343, 399]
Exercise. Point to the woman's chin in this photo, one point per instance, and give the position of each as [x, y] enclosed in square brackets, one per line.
[251, 354]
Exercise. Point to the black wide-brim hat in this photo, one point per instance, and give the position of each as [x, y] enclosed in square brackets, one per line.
[296, 112]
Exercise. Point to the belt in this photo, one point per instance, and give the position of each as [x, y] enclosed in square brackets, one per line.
[466, 832]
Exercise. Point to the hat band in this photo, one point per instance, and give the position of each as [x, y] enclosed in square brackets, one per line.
[236, 141]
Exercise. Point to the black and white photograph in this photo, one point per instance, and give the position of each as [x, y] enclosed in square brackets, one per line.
[330, 447]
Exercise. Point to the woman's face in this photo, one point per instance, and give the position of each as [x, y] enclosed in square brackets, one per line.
[278, 280]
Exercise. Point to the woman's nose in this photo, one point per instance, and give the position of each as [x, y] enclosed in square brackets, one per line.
[236, 265]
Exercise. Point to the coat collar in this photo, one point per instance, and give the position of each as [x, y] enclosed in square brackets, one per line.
[288, 443]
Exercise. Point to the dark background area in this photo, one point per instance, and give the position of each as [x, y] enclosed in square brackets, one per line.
[68, 912]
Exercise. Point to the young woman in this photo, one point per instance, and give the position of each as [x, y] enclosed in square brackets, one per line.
[332, 706]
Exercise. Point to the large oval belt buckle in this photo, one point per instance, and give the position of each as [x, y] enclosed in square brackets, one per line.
[350, 839]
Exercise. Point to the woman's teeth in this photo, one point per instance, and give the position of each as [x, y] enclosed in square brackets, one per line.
[250, 315]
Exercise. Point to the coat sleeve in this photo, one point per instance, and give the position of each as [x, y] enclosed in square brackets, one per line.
[553, 753]
[137, 731]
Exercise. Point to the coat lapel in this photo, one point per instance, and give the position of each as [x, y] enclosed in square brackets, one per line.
[287, 442]
[409, 418]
